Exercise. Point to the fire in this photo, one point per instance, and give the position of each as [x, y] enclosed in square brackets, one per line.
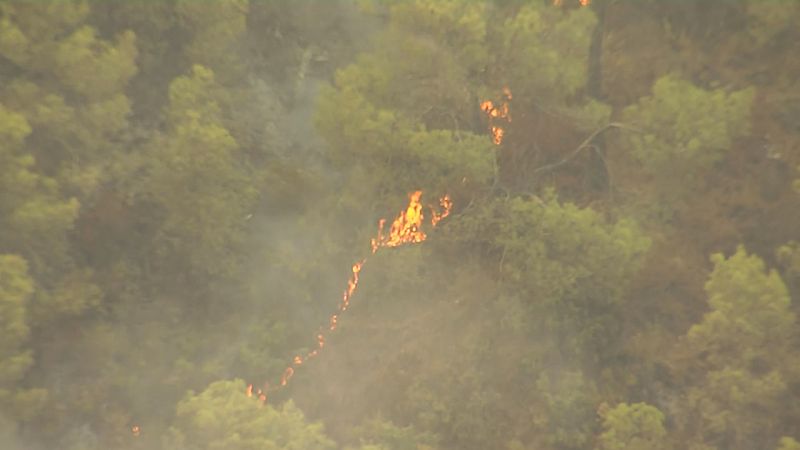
[334, 322]
[446, 204]
[497, 135]
[497, 113]
[406, 229]
[136, 430]
[581, 2]
[260, 395]
[352, 284]
[287, 375]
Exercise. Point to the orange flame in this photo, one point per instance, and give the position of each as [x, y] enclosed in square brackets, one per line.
[352, 284]
[497, 135]
[446, 204]
[581, 2]
[136, 430]
[497, 113]
[405, 229]
[334, 322]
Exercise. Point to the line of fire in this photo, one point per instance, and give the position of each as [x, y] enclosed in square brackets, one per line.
[405, 229]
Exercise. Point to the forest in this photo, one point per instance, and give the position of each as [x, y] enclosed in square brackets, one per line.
[400, 225]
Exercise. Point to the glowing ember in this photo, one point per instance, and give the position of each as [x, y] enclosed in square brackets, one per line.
[497, 135]
[446, 204]
[581, 2]
[497, 113]
[352, 284]
[334, 322]
[405, 229]
[287, 375]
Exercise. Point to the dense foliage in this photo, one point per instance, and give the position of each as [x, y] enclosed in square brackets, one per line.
[185, 185]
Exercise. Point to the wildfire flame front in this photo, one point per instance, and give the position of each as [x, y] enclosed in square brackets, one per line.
[405, 229]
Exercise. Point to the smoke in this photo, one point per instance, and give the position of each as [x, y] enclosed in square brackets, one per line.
[9, 436]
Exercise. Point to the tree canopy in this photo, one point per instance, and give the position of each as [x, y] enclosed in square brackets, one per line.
[600, 201]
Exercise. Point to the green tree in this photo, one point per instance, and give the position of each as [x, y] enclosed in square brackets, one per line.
[741, 353]
[542, 53]
[69, 84]
[684, 129]
[34, 216]
[378, 137]
[378, 434]
[788, 443]
[749, 313]
[637, 426]
[567, 265]
[217, 30]
[435, 63]
[224, 417]
[788, 256]
[203, 188]
[16, 288]
[570, 398]
[36, 220]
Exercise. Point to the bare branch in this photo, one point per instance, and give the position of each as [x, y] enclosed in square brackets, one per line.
[586, 144]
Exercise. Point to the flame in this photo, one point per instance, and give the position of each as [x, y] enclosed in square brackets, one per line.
[136, 430]
[583, 3]
[497, 135]
[497, 113]
[334, 322]
[352, 284]
[287, 375]
[446, 204]
[405, 229]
